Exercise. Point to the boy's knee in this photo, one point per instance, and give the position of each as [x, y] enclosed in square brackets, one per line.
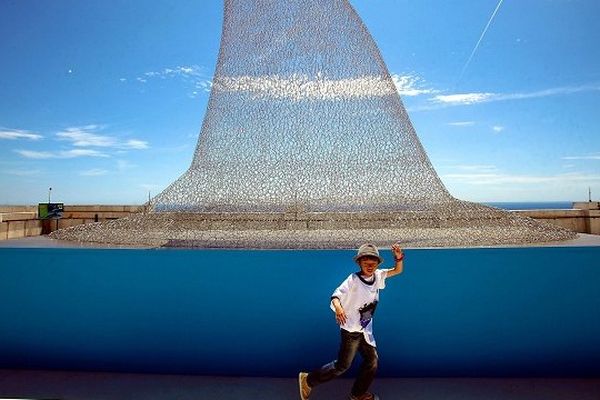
[372, 364]
[341, 367]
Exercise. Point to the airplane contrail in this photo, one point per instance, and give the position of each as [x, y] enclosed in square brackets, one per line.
[479, 41]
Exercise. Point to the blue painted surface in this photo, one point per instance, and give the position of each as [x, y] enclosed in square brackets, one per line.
[467, 312]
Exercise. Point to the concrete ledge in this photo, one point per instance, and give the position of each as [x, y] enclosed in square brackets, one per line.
[17, 216]
[33, 228]
[587, 205]
[552, 214]
[3, 230]
[577, 220]
[9, 208]
[16, 229]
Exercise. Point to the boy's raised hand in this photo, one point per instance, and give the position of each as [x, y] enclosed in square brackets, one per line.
[397, 251]
[399, 264]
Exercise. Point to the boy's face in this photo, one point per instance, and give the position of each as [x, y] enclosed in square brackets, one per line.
[368, 265]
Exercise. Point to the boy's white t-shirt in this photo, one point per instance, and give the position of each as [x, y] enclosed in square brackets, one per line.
[359, 299]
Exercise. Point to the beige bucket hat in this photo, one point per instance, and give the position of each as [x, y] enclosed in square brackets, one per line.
[368, 249]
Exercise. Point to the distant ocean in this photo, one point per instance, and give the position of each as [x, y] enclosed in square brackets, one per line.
[542, 205]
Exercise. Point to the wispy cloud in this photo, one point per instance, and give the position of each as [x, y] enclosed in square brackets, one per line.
[203, 85]
[81, 153]
[479, 168]
[461, 123]
[94, 172]
[134, 144]
[123, 165]
[497, 128]
[13, 134]
[74, 153]
[193, 75]
[463, 98]
[87, 137]
[502, 179]
[493, 179]
[563, 90]
[82, 137]
[23, 172]
[192, 71]
[411, 85]
[38, 155]
[485, 97]
[593, 156]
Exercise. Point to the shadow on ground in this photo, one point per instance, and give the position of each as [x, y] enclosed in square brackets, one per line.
[108, 386]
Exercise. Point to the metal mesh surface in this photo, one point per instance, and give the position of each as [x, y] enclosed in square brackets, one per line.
[304, 125]
[302, 113]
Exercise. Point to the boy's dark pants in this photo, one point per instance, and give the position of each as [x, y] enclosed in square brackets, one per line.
[350, 344]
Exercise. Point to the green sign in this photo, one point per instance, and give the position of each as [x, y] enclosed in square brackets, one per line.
[50, 210]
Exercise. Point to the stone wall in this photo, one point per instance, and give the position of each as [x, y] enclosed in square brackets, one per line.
[587, 205]
[583, 218]
[17, 224]
[22, 221]
[574, 220]
[78, 214]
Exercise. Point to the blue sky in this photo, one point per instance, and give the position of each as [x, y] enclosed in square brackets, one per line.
[103, 101]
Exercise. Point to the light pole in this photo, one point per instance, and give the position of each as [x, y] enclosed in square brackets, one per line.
[49, 192]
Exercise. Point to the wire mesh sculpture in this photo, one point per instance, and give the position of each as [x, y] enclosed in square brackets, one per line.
[306, 143]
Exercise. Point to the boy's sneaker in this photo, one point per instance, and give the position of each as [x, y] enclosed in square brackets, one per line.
[303, 385]
[365, 396]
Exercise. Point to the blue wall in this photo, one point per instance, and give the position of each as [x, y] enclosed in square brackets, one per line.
[468, 312]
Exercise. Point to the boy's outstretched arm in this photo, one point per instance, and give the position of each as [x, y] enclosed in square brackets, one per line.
[399, 257]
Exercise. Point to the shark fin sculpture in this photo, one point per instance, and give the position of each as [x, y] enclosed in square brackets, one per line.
[306, 143]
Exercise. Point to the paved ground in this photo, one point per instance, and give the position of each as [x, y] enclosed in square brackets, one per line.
[109, 386]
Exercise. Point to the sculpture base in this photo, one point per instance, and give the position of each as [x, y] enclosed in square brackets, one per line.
[459, 224]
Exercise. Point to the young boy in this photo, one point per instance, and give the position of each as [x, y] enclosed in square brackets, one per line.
[354, 303]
